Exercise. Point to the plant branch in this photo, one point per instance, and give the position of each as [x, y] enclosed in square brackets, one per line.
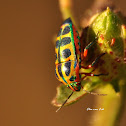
[66, 10]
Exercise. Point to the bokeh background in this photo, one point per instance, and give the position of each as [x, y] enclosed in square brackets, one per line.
[27, 78]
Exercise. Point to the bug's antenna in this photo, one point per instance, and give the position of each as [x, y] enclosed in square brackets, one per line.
[93, 93]
[64, 102]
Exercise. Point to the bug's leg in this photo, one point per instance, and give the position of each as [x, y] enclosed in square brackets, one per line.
[83, 78]
[91, 74]
[88, 46]
[94, 62]
[93, 93]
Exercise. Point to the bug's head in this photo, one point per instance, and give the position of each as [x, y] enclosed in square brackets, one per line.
[75, 86]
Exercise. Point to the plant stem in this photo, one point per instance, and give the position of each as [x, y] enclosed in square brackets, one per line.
[112, 104]
[66, 10]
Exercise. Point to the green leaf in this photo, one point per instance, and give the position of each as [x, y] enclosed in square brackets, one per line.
[63, 92]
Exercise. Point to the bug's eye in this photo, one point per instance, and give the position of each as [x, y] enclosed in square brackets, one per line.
[72, 78]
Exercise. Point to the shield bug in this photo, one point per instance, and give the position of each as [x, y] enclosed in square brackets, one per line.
[68, 58]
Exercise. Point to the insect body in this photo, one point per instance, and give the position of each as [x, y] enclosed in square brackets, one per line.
[68, 56]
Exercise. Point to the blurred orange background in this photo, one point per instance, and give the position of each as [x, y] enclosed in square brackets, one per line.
[27, 69]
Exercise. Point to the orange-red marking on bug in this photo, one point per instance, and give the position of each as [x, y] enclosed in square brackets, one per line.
[100, 44]
[111, 52]
[124, 26]
[102, 37]
[112, 41]
[85, 52]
